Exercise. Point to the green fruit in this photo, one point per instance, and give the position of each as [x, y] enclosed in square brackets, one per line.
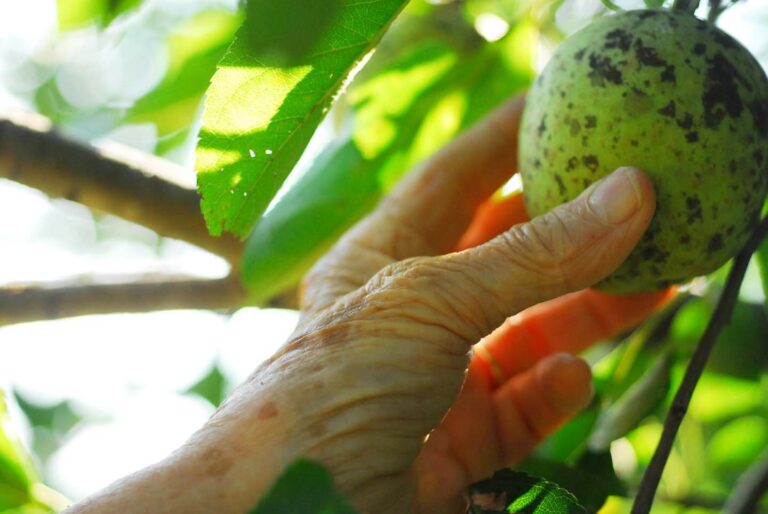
[673, 96]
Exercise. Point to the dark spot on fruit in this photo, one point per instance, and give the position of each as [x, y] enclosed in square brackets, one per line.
[647, 55]
[654, 253]
[732, 166]
[721, 96]
[542, 125]
[686, 122]
[573, 163]
[685, 239]
[536, 163]
[644, 15]
[560, 184]
[729, 231]
[759, 109]
[562, 94]
[724, 39]
[668, 75]
[669, 109]
[634, 142]
[574, 124]
[603, 70]
[586, 183]
[570, 105]
[590, 121]
[618, 38]
[715, 243]
[693, 204]
[591, 162]
[692, 137]
[580, 54]
[759, 157]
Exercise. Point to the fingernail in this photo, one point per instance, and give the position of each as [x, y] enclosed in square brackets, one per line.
[616, 197]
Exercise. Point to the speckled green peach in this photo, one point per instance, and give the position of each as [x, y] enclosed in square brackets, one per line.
[669, 94]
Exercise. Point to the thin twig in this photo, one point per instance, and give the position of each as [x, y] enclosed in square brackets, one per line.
[720, 318]
[714, 11]
[749, 489]
[121, 181]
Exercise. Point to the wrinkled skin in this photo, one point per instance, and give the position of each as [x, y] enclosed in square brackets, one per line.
[674, 96]
[383, 354]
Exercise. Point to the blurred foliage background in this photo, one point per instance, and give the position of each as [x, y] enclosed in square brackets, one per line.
[78, 392]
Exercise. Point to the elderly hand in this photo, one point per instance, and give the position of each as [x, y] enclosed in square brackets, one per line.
[417, 369]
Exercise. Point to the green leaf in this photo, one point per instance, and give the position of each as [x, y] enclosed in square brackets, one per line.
[591, 480]
[17, 475]
[212, 387]
[75, 14]
[343, 183]
[304, 487]
[653, 4]
[739, 443]
[194, 50]
[640, 400]
[515, 491]
[260, 113]
[403, 113]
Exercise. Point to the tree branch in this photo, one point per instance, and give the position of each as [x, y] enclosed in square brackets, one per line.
[21, 304]
[749, 489]
[720, 318]
[138, 187]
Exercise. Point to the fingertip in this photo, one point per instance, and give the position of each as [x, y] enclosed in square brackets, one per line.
[566, 381]
[643, 186]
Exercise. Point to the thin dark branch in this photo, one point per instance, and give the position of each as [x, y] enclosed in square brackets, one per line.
[720, 318]
[138, 187]
[714, 11]
[750, 488]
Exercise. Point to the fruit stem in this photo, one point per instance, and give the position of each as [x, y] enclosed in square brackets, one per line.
[688, 6]
[720, 318]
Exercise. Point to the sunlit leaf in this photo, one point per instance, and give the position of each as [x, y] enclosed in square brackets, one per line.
[17, 474]
[736, 445]
[720, 397]
[343, 184]
[304, 487]
[75, 14]
[194, 50]
[515, 491]
[403, 114]
[265, 112]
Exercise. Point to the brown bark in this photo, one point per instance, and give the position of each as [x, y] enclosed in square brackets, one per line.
[137, 187]
[21, 304]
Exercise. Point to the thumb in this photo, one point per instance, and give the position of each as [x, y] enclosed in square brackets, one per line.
[572, 247]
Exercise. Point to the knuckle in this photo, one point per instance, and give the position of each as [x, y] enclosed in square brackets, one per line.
[542, 246]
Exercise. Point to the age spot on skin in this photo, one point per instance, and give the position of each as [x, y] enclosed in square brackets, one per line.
[267, 411]
[216, 464]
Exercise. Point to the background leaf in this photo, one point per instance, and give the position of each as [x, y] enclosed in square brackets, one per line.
[304, 487]
[261, 113]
